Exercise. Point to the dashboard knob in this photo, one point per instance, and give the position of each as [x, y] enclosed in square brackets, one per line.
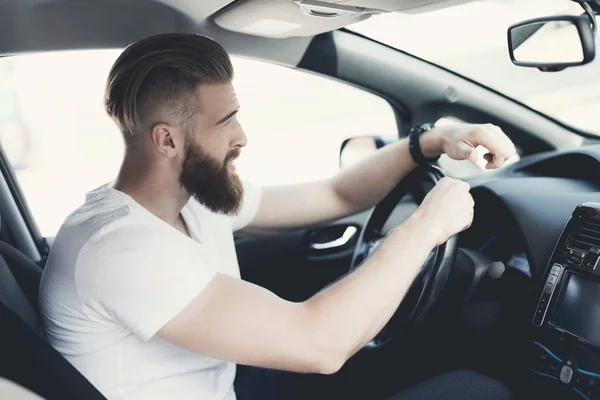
[496, 270]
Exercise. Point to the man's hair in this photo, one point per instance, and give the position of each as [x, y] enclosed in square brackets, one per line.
[156, 80]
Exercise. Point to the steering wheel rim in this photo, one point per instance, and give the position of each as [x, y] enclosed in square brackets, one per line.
[434, 273]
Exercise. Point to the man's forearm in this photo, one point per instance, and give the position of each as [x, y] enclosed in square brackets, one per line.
[348, 314]
[241, 322]
[368, 182]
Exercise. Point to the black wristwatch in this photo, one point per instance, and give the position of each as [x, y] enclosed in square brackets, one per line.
[414, 144]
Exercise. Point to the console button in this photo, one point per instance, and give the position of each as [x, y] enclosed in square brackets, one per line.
[540, 311]
[555, 270]
[577, 261]
[548, 288]
[577, 253]
[552, 279]
[566, 374]
[545, 297]
[539, 316]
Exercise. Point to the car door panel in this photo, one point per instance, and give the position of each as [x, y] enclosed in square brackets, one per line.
[288, 263]
[290, 266]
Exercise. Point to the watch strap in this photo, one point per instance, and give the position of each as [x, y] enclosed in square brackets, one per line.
[414, 144]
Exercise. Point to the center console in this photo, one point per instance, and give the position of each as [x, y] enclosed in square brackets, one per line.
[565, 353]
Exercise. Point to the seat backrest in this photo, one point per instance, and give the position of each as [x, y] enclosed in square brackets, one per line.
[25, 358]
[13, 296]
[27, 273]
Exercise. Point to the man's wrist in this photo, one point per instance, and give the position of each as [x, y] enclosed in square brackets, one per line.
[420, 223]
[431, 143]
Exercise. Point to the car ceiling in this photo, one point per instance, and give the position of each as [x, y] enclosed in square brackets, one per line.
[46, 25]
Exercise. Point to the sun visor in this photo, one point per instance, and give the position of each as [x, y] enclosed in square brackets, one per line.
[281, 19]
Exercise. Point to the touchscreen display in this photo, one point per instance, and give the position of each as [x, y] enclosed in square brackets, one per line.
[578, 312]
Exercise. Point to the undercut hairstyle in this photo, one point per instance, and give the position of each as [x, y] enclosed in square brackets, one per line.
[156, 80]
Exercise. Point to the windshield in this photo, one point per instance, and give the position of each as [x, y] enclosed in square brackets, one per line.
[471, 39]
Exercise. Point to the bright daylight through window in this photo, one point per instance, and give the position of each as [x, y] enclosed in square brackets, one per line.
[61, 144]
[471, 39]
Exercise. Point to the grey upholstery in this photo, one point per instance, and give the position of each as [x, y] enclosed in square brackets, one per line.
[26, 272]
[12, 295]
[25, 358]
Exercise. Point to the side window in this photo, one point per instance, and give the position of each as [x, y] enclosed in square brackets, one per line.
[296, 122]
[56, 135]
[61, 144]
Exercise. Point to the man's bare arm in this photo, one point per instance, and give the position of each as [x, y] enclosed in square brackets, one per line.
[365, 184]
[241, 322]
[352, 190]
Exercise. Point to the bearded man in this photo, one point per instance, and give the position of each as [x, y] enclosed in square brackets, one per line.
[142, 290]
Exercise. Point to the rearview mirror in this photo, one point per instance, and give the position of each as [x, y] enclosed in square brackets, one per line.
[356, 149]
[553, 43]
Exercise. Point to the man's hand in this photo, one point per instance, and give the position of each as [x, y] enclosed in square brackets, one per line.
[447, 209]
[460, 143]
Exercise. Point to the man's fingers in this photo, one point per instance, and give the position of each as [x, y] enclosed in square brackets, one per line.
[473, 156]
[498, 160]
[466, 152]
[492, 138]
[507, 146]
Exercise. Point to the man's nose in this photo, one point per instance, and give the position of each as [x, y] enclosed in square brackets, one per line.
[241, 139]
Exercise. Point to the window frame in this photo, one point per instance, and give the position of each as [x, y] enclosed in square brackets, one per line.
[400, 113]
[41, 244]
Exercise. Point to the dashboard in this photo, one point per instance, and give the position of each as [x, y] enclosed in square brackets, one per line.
[528, 215]
[521, 210]
[541, 216]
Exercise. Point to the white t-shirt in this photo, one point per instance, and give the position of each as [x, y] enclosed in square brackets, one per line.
[116, 274]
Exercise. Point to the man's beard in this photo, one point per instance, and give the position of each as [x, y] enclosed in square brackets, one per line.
[210, 181]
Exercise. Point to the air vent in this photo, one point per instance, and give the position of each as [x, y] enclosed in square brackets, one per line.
[585, 236]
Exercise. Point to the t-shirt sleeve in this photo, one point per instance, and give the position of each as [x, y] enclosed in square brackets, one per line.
[250, 205]
[139, 279]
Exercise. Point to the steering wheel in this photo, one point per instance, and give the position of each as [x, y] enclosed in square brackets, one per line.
[432, 276]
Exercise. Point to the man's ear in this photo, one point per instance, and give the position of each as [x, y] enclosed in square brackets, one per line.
[165, 140]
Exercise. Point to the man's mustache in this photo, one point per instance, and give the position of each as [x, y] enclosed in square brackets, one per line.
[232, 155]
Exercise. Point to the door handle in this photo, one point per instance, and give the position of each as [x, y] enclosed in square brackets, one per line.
[343, 240]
